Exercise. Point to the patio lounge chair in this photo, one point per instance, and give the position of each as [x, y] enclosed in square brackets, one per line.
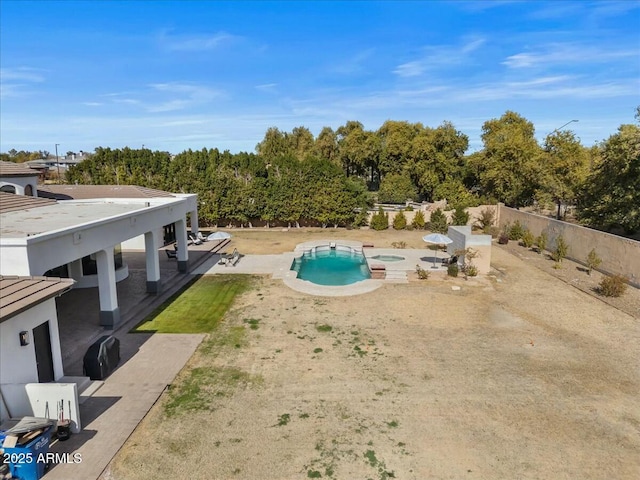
[171, 254]
[201, 237]
[233, 259]
[450, 261]
[194, 238]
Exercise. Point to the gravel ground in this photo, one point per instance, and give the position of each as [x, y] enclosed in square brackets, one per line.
[518, 375]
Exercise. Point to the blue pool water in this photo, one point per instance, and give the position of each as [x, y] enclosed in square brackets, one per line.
[332, 267]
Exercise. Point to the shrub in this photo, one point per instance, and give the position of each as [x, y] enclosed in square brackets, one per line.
[361, 219]
[541, 242]
[486, 219]
[422, 273]
[593, 261]
[460, 216]
[613, 286]
[452, 270]
[562, 248]
[418, 220]
[471, 270]
[409, 208]
[516, 231]
[492, 230]
[399, 221]
[438, 222]
[380, 220]
[528, 239]
[401, 244]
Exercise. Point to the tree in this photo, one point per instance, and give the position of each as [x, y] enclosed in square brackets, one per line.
[565, 167]
[399, 221]
[438, 222]
[418, 220]
[610, 196]
[379, 220]
[396, 188]
[509, 165]
[460, 216]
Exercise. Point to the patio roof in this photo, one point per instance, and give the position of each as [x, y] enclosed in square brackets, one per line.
[18, 294]
[86, 192]
[12, 169]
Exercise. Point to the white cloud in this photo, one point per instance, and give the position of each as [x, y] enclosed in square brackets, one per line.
[194, 43]
[16, 82]
[568, 53]
[439, 56]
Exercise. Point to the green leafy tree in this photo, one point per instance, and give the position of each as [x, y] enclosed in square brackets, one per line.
[396, 188]
[610, 196]
[509, 167]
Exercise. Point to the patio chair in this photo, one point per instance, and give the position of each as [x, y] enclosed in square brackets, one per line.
[171, 254]
[450, 261]
[194, 239]
[201, 237]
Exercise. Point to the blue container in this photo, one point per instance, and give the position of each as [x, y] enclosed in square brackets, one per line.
[28, 462]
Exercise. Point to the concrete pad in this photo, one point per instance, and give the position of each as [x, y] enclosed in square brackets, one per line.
[115, 410]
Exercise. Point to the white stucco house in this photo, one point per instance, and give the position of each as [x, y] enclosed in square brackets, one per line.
[74, 231]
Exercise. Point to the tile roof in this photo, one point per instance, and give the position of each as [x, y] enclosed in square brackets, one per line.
[85, 192]
[12, 169]
[10, 202]
[18, 294]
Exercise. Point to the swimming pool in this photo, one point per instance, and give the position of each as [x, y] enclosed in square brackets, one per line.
[332, 267]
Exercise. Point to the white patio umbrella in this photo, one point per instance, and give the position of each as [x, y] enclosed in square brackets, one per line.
[436, 239]
[219, 236]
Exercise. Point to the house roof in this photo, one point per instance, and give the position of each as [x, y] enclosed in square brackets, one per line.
[10, 202]
[12, 169]
[18, 294]
[85, 192]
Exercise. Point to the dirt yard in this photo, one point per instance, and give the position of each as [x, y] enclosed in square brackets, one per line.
[519, 375]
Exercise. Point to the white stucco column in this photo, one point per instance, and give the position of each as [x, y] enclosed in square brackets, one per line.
[193, 214]
[75, 270]
[181, 240]
[109, 310]
[152, 262]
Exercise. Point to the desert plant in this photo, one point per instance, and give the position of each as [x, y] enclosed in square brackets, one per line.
[528, 239]
[541, 242]
[460, 216]
[452, 270]
[516, 231]
[422, 273]
[438, 222]
[401, 244]
[471, 270]
[562, 248]
[492, 230]
[593, 261]
[379, 220]
[486, 219]
[418, 220]
[399, 221]
[613, 286]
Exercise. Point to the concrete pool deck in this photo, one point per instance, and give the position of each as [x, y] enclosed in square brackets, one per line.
[279, 267]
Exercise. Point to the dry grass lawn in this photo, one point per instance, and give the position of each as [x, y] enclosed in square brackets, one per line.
[519, 376]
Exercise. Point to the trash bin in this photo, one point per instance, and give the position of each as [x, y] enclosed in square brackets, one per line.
[28, 461]
[102, 357]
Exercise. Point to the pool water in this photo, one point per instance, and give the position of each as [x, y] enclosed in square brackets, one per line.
[332, 267]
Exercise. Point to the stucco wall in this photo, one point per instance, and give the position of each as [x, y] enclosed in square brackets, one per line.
[18, 364]
[619, 255]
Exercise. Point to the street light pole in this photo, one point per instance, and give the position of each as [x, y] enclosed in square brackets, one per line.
[560, 128]
[58, 162]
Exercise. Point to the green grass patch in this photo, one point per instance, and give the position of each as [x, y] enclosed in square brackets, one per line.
[324, 328]
[196, 308]
[253, 323]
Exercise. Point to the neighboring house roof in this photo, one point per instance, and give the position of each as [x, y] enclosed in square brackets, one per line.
[10, 202]
[11, 169]
[18, 294]
[85, 192]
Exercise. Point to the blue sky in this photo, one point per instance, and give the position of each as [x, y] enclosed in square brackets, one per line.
[192, 74]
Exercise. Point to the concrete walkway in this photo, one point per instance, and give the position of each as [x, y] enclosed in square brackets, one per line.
[151, 362]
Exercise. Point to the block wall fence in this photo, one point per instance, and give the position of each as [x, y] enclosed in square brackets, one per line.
[619, 255]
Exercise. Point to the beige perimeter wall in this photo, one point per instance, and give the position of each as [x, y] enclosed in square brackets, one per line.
[619, 255]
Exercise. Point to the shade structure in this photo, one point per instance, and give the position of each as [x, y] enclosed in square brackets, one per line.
[436, 239]
[219, 236]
